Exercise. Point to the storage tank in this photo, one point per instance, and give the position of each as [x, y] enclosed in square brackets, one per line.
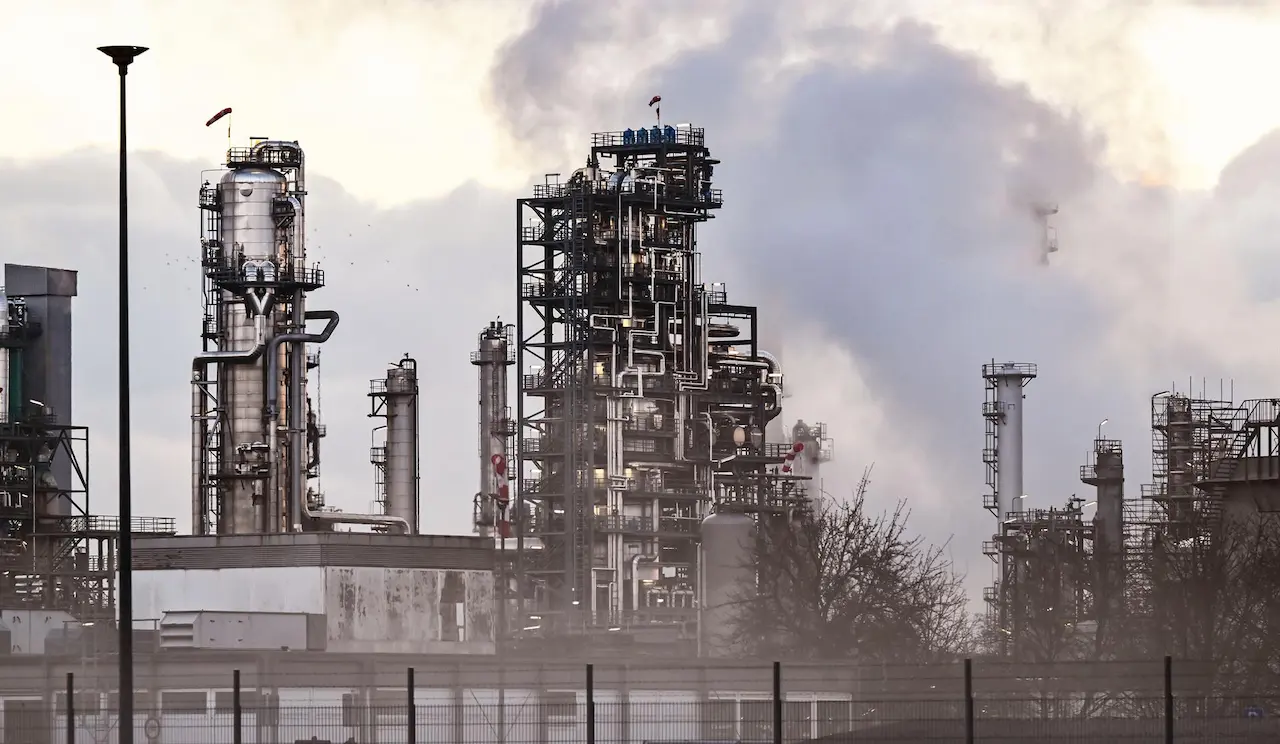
[728, 576]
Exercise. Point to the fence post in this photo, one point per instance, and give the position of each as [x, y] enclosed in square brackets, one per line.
[968, 701]
[71, 708]
[591, 704]
[777, 702]
[237, 729]
[413, 710]
[1168, 700]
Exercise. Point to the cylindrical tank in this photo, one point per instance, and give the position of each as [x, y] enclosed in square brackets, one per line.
[728, 576]
[402, 442]
[248, 226]
[249, 236]
[1009, 398]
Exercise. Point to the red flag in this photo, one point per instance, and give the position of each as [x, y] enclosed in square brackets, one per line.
[217, 116]
[652, 101]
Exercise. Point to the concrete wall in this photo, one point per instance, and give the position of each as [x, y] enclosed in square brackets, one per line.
[367, 610]
[28, 628]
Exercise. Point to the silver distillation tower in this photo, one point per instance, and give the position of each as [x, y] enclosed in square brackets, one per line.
[395, 398]
[254, 444]
[1002, 452]
[494, 353]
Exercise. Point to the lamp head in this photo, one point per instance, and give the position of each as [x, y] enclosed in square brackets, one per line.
[122, 55]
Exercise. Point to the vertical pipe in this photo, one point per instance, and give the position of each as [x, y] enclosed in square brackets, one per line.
[413, 709]
[968, 701]
[777, 702]
[199, 435]
[297, 417]
[71, 708]
[237, 727]
[591, 704]
[1168, 700]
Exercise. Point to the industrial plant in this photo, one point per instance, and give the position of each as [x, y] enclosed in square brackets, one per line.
[631, 451]
[623, 470]
[1064, 580]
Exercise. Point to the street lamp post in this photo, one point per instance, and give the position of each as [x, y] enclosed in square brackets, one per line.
[122, 56]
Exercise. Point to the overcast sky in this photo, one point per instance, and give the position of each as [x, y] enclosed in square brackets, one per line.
[880, 160]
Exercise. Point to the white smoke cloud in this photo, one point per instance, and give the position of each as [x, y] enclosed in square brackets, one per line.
[877, 188]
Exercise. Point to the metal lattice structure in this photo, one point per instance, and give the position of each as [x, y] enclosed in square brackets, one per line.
[642, 395]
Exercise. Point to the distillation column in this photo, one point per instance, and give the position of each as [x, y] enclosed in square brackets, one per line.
[250, 408]
[1003, 451]
[402, 478]
[494, 353]
[1106, 474]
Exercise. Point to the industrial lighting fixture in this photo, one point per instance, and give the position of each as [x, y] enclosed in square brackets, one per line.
[123, 56]
[1101, 424]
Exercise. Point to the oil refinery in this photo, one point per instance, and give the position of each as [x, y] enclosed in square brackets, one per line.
[631, 449]
[622, 475]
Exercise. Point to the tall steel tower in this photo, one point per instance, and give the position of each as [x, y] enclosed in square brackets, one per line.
[643, 397]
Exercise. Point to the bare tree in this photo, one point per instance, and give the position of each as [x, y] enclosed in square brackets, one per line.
[839, 582]
[1212, 595]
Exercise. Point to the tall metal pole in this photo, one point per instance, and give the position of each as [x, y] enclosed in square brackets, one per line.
[122, 56]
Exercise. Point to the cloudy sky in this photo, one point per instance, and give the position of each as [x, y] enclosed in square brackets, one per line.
[880, 160]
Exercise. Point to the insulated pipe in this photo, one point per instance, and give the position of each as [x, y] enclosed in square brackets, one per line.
[297, 502]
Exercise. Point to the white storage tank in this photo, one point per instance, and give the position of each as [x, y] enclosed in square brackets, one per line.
[728, 576]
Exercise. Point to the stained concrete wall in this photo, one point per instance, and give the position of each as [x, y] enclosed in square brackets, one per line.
[367, 610]
[409, 610]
